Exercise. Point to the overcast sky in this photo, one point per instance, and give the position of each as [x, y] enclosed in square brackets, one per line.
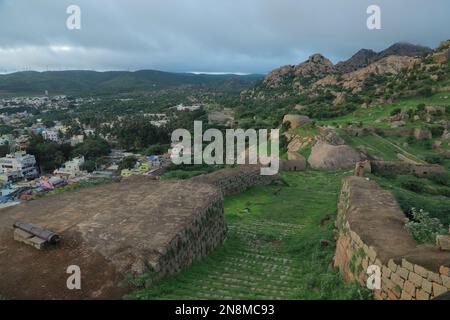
[247, 36]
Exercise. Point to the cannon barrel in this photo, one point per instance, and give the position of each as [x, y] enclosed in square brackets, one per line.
[39, 232]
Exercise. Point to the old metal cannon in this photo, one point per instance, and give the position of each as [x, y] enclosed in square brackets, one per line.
[47, 235]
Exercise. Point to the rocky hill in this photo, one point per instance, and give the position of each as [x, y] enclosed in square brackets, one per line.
[362, 79]
[359, 60]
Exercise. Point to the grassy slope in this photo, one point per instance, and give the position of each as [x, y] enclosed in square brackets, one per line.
[386, 148]
[273, 251]
[369, 116]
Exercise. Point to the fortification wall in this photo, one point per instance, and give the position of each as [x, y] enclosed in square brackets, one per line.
[401, 167]
[196, 240]
[371, 231]
[236, 180]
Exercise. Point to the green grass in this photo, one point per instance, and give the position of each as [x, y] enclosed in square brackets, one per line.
[79, 185]
[387, 148]
[373, 145]
[272, 251]
[427, 199]
[369, 116]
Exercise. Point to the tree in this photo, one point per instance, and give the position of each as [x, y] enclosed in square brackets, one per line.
[127, 163]
[4, 149]
[137, 133]
[92, 148]
[89, 165]
[49, 155]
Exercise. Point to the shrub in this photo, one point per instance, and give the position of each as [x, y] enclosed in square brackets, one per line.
[424, 228]
[411, 183]
[396, 111]
[127, 163]
[434, 159]
[440, 178]
[436, 132]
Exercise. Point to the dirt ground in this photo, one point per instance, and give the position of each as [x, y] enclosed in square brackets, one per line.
[33, 274]
[108, 231]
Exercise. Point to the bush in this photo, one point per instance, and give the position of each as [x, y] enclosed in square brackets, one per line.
[157, 149]
[127, 163]
[440, 178]
[411, 183]
[436, 132]
[396, 111]
[434, 159]
[89, 165]
[424, 228]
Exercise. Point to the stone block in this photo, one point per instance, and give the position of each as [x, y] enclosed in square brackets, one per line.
[438, 290]
[446, 281]
[392, 265]
[443, 243]
[392, 295]
[407, 265]
[29, 239]
[421, 271]
[20, 235]
[416, 279]
[422, 295]
[434, 277]
[38, 243]
[402, 272]
[397, 280]
[387, 284]
[371, 253]
[427, 286]
[405, 296]
[444, 270]
[386, 272]
[410, 288]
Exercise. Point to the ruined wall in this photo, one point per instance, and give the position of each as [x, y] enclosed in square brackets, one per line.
[236, 180]
[394, 132]
[371, 231]
[196, 240]
[401, 167]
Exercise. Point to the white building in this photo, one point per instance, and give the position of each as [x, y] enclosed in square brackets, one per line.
[71, 168]
[76, 140]
[181, 107]
[19, 165]
[52, 135]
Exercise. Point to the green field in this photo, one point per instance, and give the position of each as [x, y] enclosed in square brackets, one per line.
[369, 116]
[273, 249]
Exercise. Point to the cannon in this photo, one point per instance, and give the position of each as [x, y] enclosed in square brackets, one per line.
[39, 232]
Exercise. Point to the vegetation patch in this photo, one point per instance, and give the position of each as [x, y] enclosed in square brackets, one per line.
[273, 250]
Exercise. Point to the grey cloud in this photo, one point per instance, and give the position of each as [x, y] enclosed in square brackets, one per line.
[250, 36]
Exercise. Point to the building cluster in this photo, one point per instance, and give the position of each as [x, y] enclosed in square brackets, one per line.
[20, 179]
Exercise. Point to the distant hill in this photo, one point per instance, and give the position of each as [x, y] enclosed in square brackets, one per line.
[318, 83]
[364, 57]
[112, 82]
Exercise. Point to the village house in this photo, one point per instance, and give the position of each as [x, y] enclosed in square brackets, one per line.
[71, 169]
[18, 165]
[51, 135]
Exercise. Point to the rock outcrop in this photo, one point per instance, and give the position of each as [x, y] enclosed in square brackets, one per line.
[330, 157]
[296, 120]
[360, 59]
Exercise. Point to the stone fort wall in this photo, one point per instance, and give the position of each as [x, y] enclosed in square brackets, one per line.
[237, 179]
[208, 230]
[401, 167]
[371, 231]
